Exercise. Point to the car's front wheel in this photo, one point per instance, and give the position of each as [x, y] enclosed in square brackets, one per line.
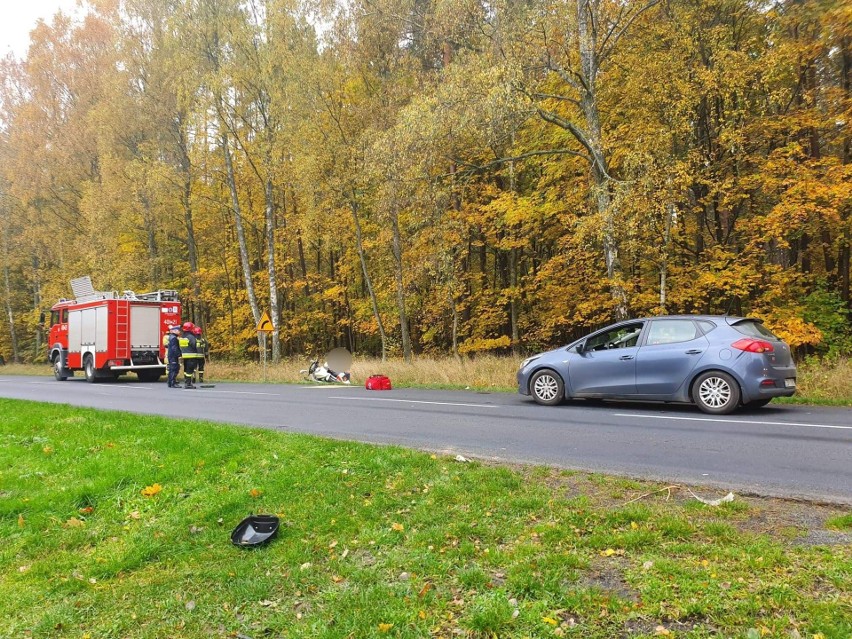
[716, 393]
[547, 387]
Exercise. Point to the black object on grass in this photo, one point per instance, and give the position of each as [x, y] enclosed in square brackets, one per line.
[255, 530]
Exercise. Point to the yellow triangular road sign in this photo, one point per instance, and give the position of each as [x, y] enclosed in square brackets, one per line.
[265, 324]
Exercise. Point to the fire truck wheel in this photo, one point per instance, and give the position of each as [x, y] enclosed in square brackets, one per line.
[89, 367]
[58, 371]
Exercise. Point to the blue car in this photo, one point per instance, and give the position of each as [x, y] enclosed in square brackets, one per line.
[715, 361]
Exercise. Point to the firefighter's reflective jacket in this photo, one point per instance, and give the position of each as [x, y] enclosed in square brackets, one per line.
[188, 346]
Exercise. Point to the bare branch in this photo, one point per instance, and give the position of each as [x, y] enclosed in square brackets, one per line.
[515, 158]
[606, 50]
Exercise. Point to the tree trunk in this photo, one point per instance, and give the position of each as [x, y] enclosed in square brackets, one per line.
[400, 285]
[664, 258]
[36, 306]
[589, 63]
[241, 236]
[13, 335]
[353, 206]
[186, 203]
[274, 311]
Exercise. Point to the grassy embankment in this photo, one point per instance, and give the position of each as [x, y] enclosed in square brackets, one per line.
[819, 382]
[382, 542]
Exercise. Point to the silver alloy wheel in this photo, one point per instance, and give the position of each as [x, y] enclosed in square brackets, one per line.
[546, 388]
[715, 392]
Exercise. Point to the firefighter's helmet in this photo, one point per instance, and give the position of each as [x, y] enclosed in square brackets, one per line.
[197, 330]
[188, 326]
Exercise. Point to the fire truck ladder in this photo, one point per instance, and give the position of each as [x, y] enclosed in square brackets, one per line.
[122, 329]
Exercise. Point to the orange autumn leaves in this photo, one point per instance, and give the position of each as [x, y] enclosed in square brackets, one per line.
[150, 491]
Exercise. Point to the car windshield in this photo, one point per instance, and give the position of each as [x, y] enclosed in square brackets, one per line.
[753, 328]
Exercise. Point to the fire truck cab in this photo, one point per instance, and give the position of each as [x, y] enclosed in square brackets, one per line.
[105, 334]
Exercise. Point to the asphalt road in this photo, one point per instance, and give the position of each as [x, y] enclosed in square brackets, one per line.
[785, 451]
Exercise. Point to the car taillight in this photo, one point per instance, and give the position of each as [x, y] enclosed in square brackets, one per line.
[753, 345]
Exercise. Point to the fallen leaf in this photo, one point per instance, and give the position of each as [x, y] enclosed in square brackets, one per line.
[397, 527]
[634, 525]
[150, 491]
[190, 605]
[20, 521]
[426, 588]
[384, 627]
[134, 515]
[421, 614]
[74, 523]
[267, 603]
[88, 510]
[549, 620]
[305, 565]
[47, 450]
[254, 492]
[647, 565]
[662, 630]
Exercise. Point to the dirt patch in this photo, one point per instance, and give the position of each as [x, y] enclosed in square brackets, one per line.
[649, 627]
[609, 579]
[788, 521]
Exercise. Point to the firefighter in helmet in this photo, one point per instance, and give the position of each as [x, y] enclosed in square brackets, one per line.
[173, 355]
[201, 347]
[189, 353]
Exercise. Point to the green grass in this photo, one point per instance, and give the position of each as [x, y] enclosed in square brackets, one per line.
[377, 542]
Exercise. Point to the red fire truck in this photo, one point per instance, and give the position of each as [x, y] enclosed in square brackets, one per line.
[105, 334]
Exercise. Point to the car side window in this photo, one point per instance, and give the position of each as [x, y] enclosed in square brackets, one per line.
[706, 326]
[623, 336]
[671, 331]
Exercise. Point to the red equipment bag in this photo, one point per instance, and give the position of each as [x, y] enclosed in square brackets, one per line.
[378, 382]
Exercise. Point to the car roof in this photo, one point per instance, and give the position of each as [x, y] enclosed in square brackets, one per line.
[730, 319]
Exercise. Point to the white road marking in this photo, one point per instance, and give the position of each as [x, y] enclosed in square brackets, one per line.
[331, 386]
[245, 393]
[733, 421]
[413, 401]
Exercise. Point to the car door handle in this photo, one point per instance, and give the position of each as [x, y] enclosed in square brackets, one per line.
[625, 357]
[694, 351]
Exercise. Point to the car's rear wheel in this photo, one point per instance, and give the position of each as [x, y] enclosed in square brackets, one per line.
[716, 393]
[547, 387]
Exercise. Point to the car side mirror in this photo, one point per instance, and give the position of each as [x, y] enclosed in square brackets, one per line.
[580, 348]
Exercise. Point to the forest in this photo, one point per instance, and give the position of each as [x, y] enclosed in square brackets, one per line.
[433, 177]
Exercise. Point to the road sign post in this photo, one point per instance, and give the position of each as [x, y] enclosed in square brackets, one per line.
[264, 327]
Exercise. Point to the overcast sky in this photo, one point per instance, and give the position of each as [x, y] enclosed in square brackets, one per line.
[18, 17]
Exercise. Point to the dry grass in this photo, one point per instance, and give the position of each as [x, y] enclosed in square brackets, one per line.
[828, 382]
[483, 372]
